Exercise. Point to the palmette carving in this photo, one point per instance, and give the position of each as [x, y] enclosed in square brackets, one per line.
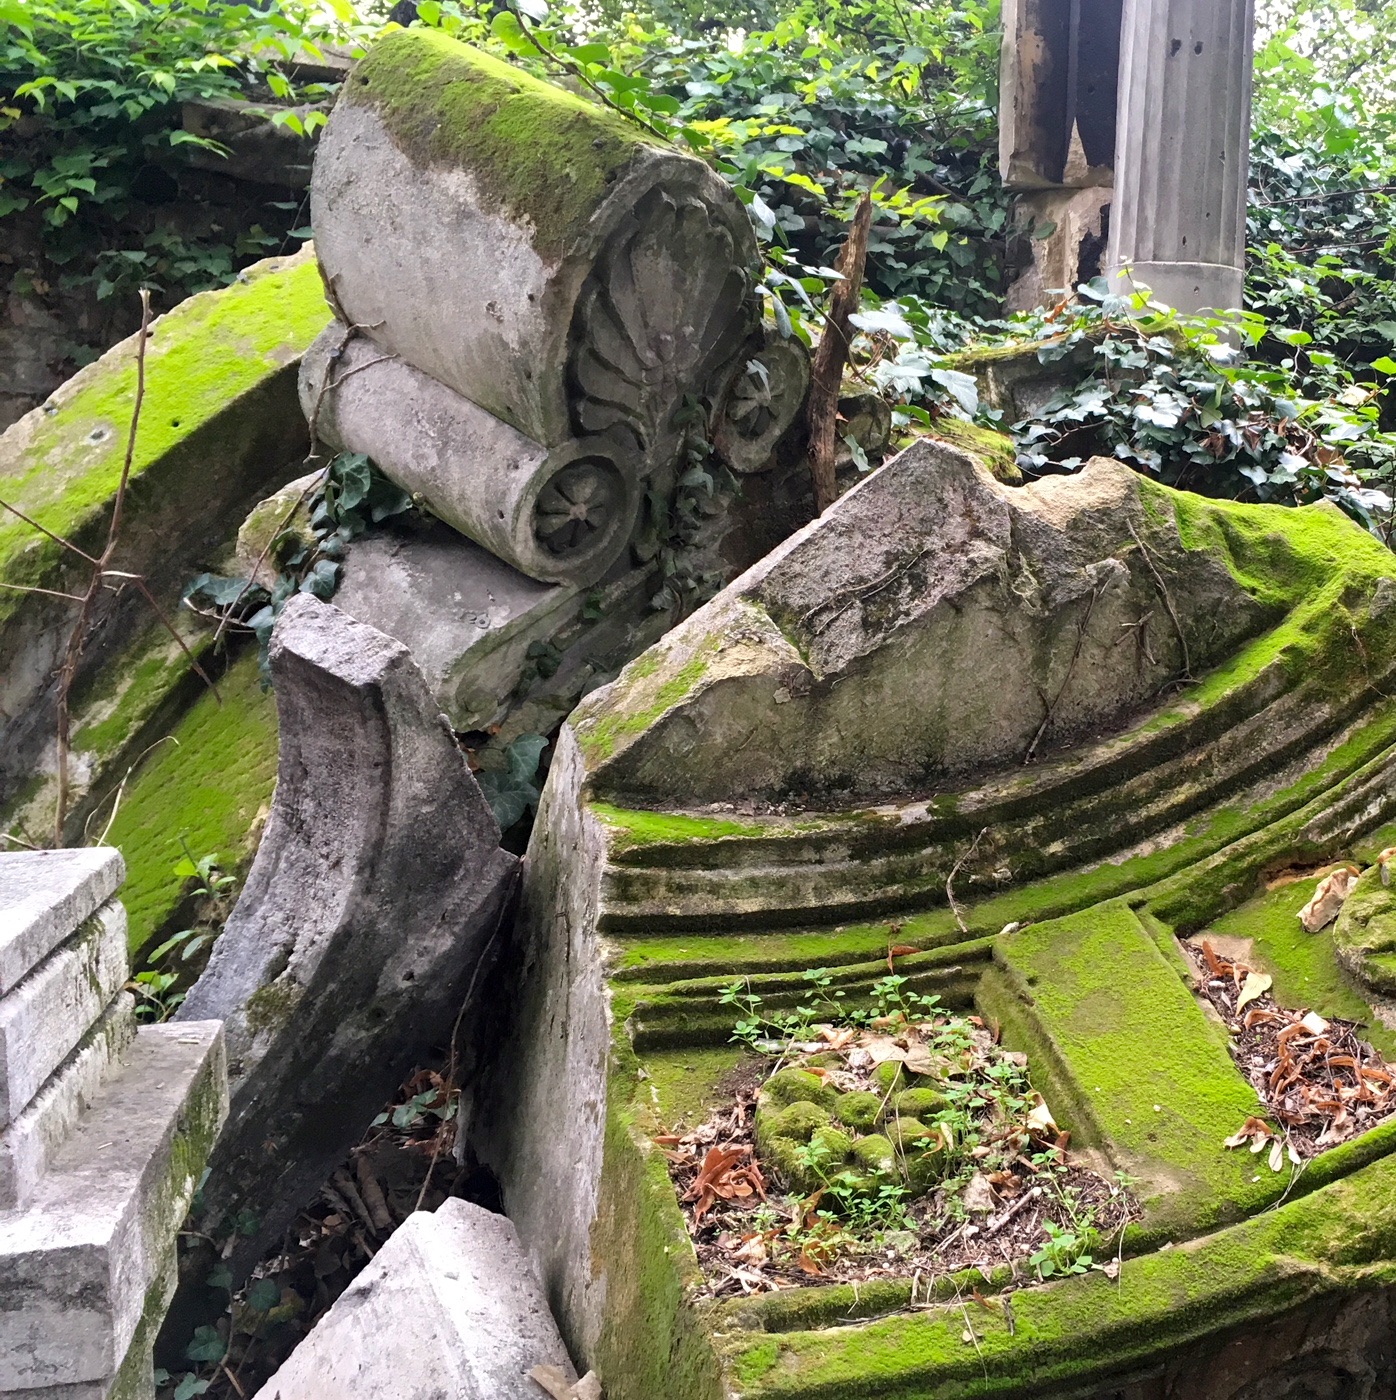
[663, 316]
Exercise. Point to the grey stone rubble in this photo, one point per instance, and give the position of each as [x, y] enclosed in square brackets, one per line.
[450, 1306]
[375, 898]
[104, 1129]
[930, 557]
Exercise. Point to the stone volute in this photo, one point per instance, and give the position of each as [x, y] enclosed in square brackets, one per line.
[538, 285]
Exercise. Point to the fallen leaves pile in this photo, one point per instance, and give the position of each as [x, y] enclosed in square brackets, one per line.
[1015, 1177]
[1316, 1078]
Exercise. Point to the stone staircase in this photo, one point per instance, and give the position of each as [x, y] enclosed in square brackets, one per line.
[104, 1129]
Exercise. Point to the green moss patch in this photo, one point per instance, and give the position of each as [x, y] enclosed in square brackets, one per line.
[996, 450]
[62, 467]
[545, 155]
[1167, 1303]
[212, 787]
[1154, 1082]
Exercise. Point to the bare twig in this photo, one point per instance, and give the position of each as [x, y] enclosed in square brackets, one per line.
[1167, 598]
[950, 879]
[450, 1080]
[1066, 680]
[826, 376]
[44, 530]
[78, 637]
[1012, 1212]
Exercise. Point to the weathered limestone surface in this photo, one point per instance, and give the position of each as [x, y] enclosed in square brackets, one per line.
[106, 1134]
[526, 187]
[47, 1012]
[978, 620]
[376, 892]
[1073, 876]
[1058, 76]
[448, 1307]
[45, 896]
[1178, 219]
[481, 475]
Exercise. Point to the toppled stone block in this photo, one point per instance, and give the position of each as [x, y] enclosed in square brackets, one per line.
[1049, 896]
[522, 369]
[77, 1264]
[47, 1013]
[450, 1306]
[44, 897]
[377, 891]
[980, 622]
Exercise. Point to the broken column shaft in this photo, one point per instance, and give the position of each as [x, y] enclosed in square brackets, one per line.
[1178, 219]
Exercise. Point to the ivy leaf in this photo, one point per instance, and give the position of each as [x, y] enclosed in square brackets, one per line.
[264, 1295]
[206, 1345]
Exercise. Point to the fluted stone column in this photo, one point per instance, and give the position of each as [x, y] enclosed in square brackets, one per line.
[1178, 222]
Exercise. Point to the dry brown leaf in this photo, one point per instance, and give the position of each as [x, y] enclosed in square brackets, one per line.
[1256, 985]
[1277, 1155]
[1328, 898]
[1384, 861]
[1040, 1119]
[899, 950]
[1252, 1130]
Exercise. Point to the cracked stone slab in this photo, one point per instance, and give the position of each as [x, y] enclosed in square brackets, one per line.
[450, 1306]
[77, 1266]
[44, 896]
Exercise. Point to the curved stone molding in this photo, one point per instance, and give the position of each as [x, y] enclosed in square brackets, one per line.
[560, 514]
[376, 893]
[937, 623]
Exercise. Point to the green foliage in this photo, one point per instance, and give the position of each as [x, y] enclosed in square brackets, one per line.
[171, 967]
[350, 497]
[514, 791]
[1167, 394]
[92, 136]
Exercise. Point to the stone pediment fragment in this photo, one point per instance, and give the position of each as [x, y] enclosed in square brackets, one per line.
[537, 287]
[935, 622]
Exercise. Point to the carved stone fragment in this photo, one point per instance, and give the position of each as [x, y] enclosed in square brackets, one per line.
[376, 893]
[523, 367]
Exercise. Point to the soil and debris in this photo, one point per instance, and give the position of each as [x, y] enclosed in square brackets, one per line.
[404, 1163]
[978, 1177]
[1316, 1077]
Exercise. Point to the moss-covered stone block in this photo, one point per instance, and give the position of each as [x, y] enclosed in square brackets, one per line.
[220, 424]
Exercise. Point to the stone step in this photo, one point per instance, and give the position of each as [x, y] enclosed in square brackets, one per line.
[44, 896]
[85, 1262]
[29, 1143]
[449, 1306]
[45, 1016]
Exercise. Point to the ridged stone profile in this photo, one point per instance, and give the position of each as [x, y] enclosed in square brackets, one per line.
[1178, 220]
